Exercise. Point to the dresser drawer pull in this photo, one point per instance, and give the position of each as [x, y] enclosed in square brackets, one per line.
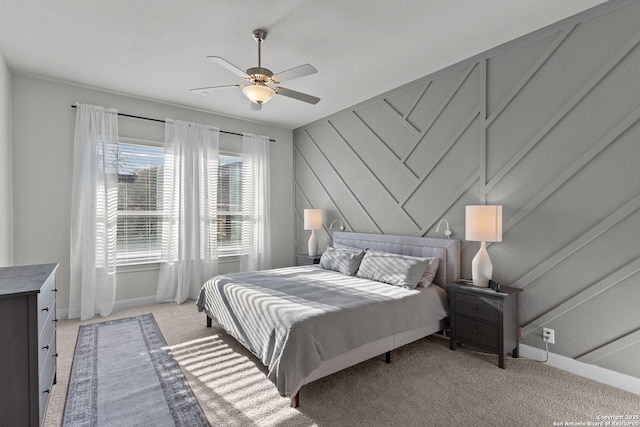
[474, 306]
[45, 309]
[54, 320]
[55, 355]
[475, 331]
[46, 347]
[46, 391]
[55, 290]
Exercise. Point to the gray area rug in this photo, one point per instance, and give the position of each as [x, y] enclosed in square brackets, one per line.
[124, 374]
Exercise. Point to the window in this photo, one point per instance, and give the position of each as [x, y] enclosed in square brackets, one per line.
[139, 169]
[140, 166]
[229, 204]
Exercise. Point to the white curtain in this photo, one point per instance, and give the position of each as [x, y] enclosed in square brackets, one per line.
[256, 229]
[94, 213]
[189, 200]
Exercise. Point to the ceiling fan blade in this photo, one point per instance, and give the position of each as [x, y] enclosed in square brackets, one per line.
[295, 72]
[204, 90]
[228, 65]
[297, 95]
[255, 107]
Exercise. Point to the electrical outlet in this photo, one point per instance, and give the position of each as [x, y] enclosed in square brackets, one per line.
[549, 335]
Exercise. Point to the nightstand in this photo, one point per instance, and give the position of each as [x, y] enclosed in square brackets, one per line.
[484, 318]
[306, 259]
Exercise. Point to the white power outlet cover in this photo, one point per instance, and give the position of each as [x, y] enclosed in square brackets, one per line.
[549, 335]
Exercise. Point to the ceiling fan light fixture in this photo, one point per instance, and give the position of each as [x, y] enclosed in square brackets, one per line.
[258, 94]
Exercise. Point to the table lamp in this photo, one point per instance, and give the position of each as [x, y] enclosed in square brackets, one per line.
[483, 223]
[313, 222]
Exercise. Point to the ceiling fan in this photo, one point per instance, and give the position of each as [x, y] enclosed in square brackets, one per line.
[263, 84]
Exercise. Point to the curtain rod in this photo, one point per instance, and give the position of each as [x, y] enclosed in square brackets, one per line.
[163, 121]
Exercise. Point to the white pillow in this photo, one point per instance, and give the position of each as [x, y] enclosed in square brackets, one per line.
[343, 260]
[430, 273]
[394, 269]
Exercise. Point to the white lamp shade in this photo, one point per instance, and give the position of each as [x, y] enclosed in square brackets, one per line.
[258, 94]
[312, 219]
[483, 223]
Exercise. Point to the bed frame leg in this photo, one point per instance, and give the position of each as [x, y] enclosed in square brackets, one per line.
[208, 322]
[387, 357]
[295, 400]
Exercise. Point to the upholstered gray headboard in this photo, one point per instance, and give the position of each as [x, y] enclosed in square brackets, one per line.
[448, 250]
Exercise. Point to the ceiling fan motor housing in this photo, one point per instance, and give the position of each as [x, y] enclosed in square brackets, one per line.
[261, 75]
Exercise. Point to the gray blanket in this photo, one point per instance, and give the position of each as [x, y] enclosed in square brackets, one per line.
[294, 318]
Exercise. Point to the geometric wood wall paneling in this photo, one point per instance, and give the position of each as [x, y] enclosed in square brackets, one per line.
[549, 128]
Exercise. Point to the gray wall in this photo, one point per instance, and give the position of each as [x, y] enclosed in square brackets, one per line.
[546, 126]
[6, 190]
[43, 129]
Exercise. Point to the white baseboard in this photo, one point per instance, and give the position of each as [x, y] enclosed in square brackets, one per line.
[63, 313]
[587, 370]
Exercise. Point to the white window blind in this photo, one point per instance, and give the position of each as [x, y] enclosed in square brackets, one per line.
[139, 201]
[229, 204]
[139, 167]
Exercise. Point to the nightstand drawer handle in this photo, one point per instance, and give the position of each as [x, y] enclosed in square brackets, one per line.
[46, 391]
[475, 331]
[45, 309]
[46, 347]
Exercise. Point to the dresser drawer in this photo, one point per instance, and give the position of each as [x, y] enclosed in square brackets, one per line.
[46, 301]
[477, 307]
[47, 343]
[477, 331]
[45, 384]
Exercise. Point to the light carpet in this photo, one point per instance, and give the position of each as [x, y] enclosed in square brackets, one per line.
[426, 384]
[124, 374]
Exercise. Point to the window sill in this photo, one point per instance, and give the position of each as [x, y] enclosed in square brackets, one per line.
[155, 265]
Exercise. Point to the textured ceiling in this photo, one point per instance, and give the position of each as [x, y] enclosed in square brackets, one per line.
[156, 49]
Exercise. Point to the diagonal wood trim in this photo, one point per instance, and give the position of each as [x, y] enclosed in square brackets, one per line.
[364, 164]
[396, 161]
[610, 348]
[443, 152]
[529, 74]
[399, 118]
[566, 108]
[308, 203]
[620, 214]
[585, 295]
[440, 109]
[353, 196]
[419, 97]
[448, 203]
[561, 179]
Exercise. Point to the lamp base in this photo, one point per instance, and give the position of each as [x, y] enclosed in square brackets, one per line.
[313, 244]
[481, 267]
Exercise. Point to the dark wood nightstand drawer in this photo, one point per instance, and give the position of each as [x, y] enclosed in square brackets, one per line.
[305, 259]
[477, 307]
[477, 331]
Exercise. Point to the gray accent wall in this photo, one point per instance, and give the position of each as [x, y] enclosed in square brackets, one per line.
[547, 126]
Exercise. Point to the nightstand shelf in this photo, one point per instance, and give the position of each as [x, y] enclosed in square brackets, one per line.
[306, 259]
[484, 318]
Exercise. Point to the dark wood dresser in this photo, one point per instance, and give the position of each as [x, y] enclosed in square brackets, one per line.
[484, 318]
[27, 342]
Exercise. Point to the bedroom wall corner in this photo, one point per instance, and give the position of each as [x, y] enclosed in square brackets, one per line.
[6, 169]
[546, 125]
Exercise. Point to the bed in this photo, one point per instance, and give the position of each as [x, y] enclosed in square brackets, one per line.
[307, 322]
